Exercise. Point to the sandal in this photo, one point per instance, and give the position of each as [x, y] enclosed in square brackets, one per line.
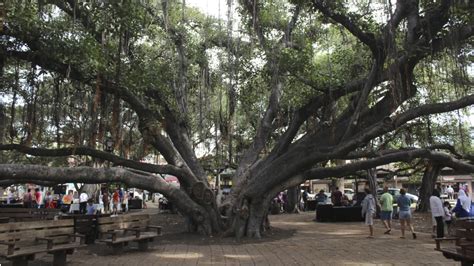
[370, 237]
[414, 235]
[402, 237]
[387, 232]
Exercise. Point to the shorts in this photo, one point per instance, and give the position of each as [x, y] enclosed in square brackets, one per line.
[404, 215]
[369, 219]
[385, 215]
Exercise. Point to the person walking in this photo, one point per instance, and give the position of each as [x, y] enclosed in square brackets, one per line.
[106, 200]
[437, 212]
[386, 200]
[368, 211]
[38, 198]
[115, 201]
[27, 199]
[125, 202]
[83, 198]
[450, 192]
[336, 197]
[404, 214]
[67, 201]
[447, 216]
[305, 199]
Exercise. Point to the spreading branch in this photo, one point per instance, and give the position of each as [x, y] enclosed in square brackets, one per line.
[116, 160]
[89, 175]
[343, 19]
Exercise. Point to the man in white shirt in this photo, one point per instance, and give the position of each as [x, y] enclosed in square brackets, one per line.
[437, 212]
[450, 192]
[83, 198]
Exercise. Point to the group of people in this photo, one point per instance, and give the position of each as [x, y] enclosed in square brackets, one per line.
[118, 198]
[441, 212]
[36, 199]
[337, 198]
[369, 208]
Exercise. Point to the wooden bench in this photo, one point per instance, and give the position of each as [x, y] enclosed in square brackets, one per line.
[19, 242]
[119, 230]
[28, 214]
[86, 225]
[463, 250]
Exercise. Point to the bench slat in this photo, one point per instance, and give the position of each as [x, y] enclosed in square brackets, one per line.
[123, 225]
[35, 224]
[122, 239]
[33, 234]
[123, 218]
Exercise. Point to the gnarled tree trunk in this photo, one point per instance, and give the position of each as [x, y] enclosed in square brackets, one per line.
[293, 200]
[428, 184]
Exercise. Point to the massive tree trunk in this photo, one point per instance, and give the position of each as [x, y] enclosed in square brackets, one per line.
[428, 184]
[3, 122]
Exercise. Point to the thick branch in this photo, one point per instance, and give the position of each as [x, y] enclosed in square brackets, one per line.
[434, 108]
[402, 156]
[116, 160]
[365, 37]
[76, 12]
[312, 150]
[59, 175]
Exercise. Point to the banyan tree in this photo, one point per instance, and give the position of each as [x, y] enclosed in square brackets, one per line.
[280, 91]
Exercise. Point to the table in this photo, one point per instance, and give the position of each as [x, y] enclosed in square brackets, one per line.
[330, 213]
[311, 205]
[135, 203]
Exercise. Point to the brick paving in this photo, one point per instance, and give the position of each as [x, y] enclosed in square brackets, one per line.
[297, 240]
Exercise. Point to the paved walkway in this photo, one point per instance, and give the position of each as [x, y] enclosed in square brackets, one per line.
[297, 241]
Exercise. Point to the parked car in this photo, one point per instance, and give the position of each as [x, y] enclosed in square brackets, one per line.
[395, 192]
[349, 192]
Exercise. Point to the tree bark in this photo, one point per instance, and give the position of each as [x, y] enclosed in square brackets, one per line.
[293, 196]
[3, 122]
[428, 184]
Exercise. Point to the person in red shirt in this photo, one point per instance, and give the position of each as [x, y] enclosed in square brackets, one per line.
[38, 198]
[115, 201]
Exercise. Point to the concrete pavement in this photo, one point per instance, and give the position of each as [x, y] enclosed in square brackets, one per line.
[297, 240]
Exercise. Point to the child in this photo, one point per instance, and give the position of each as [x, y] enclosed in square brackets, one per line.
[91, 210]
[447, 216]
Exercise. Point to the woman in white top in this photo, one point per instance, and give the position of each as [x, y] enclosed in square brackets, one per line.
[437, 212]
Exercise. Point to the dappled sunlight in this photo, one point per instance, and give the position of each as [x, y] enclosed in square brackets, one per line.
[340, 232]
[235, 256]
[289, 223]
[191, 255]
[433, 245]
[344, 232]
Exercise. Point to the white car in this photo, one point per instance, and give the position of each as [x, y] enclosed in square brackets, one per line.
[349, 192]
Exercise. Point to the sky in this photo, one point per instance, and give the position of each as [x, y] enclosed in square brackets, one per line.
[211, 7]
